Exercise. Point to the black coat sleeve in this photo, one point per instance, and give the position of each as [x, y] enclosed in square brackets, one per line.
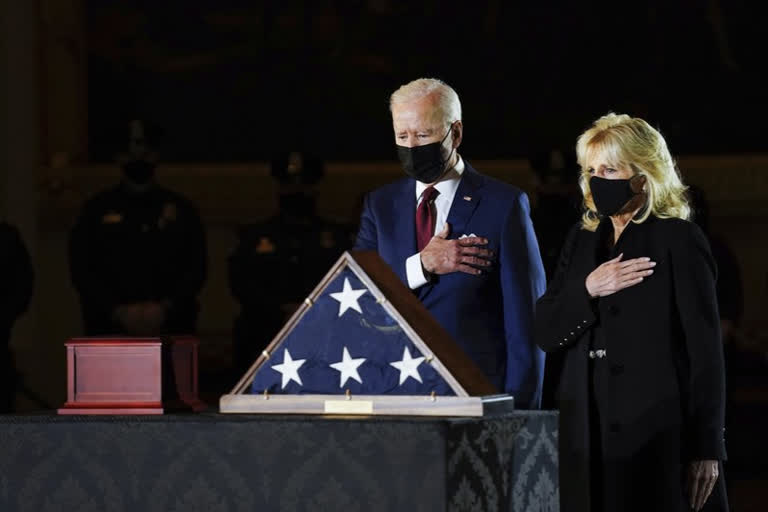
[564, 313]
[694, 274]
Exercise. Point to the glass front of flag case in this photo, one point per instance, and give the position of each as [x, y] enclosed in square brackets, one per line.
[362, 343]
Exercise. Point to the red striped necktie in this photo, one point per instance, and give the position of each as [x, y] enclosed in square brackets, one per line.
[425, 217]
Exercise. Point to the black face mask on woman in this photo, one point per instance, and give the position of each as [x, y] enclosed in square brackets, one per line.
[424, 163]
[610, 196]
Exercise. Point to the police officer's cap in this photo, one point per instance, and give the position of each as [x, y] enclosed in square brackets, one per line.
[297, 168]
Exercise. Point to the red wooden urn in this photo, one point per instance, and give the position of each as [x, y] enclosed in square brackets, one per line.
[132, 375]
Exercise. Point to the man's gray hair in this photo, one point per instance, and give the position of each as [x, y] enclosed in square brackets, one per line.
[448, 102]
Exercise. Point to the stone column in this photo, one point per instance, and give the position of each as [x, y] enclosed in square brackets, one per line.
[20, 149]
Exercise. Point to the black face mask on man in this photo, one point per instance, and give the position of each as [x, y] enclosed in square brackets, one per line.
[610, 196]
[424, 163]
[139, 172]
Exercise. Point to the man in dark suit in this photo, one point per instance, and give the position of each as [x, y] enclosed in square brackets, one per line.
[138, 254]
[462, 241]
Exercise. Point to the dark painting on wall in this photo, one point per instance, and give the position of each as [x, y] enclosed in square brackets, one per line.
[237, 80]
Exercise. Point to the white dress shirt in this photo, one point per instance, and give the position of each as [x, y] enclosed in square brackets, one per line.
[447, 187]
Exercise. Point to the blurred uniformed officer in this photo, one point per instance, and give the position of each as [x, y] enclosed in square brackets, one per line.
[138, 253]
[277, 263]
[15, 293]
[558, 201]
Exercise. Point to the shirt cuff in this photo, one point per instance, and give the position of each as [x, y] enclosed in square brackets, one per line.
[415, 272]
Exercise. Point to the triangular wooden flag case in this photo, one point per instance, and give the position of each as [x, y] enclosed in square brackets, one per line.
[362, 343]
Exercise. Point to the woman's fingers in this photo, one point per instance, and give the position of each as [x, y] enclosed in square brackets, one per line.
[624, 281]
[632, 276]
[627, 263]
[694, 485]
[615, 275]
[702, 476]
[710, 479]
[629, 282]
[636, 264]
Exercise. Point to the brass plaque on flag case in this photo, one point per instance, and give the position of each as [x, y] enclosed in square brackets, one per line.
[348, 407]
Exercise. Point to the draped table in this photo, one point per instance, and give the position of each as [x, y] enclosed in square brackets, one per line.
[214, 462]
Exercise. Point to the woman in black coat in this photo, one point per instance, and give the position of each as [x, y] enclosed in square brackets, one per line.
[632, 310]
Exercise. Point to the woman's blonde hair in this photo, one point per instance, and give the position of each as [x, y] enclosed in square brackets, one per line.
[625, 141]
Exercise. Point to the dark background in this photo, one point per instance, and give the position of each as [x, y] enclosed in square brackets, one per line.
[236, 80]
[227, 84]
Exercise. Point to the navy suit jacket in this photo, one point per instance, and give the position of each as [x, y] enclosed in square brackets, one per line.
[490, 316]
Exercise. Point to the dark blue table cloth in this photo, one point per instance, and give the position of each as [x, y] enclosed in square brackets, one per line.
[213, 462]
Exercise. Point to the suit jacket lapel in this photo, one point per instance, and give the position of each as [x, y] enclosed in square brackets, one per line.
[404, 213]
[465, 201]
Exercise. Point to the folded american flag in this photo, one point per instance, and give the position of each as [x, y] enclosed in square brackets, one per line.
[348, 341]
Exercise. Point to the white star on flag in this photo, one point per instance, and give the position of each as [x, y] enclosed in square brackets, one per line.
[289, 369]
[348, 368]
[408, 366]
[348, 298]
